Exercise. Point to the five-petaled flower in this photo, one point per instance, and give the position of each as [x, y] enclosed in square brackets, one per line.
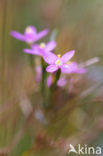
[40, 49]
[30, 35]
[57, 61]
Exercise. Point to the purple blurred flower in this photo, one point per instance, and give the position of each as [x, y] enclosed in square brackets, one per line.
[61, 82]
[30, 35]
[41, 49]
[49, 81]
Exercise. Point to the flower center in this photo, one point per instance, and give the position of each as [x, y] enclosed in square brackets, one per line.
[59, 55]
[58, 62]
[28, 30]
[42, 45]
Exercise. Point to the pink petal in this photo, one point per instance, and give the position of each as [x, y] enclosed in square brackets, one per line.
[17, 35]
[81, 71]
[31, 32]
[49, 57]
[69, 68]
[61, 82]
[51, 68]
[35, 46]
[42, 34]
[32, 51]
[29, 38]
[49, 81]
[38, 76]
[51, 46]
[67, 56]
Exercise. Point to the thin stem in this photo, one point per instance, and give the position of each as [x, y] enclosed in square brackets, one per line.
[53, 86]
[43, 81]
[57, 76]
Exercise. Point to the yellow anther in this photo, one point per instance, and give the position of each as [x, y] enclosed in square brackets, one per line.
[42, 45]
[58, 62]
[59, 55]
[28, 30]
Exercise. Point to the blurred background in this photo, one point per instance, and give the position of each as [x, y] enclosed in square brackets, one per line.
[26, 129]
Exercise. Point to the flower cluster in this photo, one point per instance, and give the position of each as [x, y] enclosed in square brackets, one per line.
[46, 52]
[30, 36]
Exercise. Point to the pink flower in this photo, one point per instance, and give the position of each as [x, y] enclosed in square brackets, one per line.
[49, 81]
[60, 83]
[56, 62]
[30, 35]
[41, 49]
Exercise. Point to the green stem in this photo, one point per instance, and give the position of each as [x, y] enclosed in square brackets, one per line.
[43, 81]
[53, 86]
[57, 76]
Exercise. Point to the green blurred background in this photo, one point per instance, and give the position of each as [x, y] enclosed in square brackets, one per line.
[79, 26]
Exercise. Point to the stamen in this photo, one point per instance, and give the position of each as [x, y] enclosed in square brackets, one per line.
[58, 62]
[28, 30]
[42, 45]
[59, 55]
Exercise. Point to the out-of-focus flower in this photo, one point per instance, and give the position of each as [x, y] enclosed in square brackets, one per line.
[49, 81]
[79, 70]
[30, 35]
[56, 62]
[90, 62]
[38, 73]
[61, 82]
[41, 49]
[81, 67]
